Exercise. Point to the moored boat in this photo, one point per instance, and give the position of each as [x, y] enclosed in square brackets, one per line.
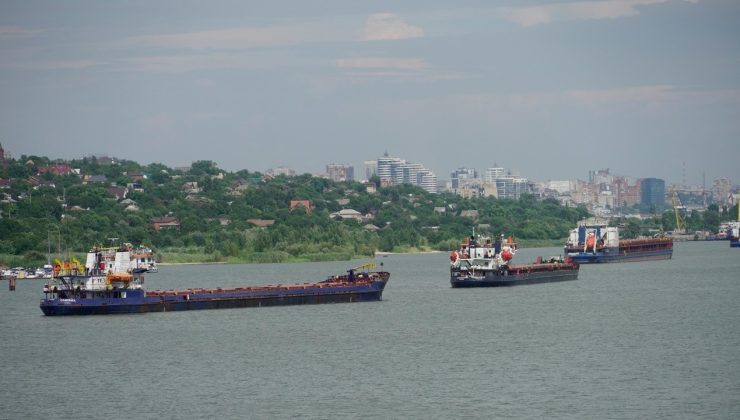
[97, 292]
[733, 231]
[598, 243]
[482, 263]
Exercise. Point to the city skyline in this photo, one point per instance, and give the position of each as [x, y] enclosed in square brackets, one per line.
[483, 174]
[649, 88]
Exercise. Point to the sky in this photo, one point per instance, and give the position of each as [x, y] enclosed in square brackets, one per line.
[548, 89]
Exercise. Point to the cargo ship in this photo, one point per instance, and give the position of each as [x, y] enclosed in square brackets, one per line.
[598, 243]
[482, 263]
[93, 290]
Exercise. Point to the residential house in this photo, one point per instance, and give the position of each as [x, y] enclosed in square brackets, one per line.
[166, 222]
[191, 187]
[118, 192]
[59, 169]
[135, 186]
[306, 204]
[239, 186]
[350, 214]
[94, 179]
[106, 160]
[135, 176]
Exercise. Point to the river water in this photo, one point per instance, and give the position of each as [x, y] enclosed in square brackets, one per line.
[657, 339]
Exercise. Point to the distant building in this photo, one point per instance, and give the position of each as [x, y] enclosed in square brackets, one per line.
[4, 158]
[94, 179]
[601, 176]
[340, 173]
[371, 169]
[191, 187]
[721, 191]
[561, 187]
[461, 173]
[626, 195]
[136, 176]
[166, 222]
[306, 204]
[492, 174]
[348, 214]
[395, 171]
[653, 193]
[59, 169]
[118, 192]
[104, 160]
[281, 170]
[512, 188]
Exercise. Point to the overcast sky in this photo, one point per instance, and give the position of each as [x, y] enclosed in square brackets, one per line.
[548, 89]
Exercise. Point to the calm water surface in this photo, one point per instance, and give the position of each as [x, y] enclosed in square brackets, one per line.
[656, 339]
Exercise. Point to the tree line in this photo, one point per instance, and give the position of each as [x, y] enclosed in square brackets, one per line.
[50, 213]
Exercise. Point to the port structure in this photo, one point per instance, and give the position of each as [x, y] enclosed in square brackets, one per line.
[677, 209]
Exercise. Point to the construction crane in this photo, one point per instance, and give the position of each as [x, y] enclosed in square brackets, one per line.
[680, 218]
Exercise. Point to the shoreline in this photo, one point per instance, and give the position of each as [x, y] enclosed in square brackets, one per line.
[385, 254]
[379, 254]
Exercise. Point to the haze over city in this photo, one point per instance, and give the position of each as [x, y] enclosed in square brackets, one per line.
[547, 89]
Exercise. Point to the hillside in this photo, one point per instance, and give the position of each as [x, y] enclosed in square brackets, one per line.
[207, 214]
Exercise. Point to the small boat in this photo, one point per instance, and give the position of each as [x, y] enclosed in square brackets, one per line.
[599, 243]
[95, 291]
[482, 263]
[733, 230]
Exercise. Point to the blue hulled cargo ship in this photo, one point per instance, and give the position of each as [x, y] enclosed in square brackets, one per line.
[482, 263]
[92, 290]
[598, 243]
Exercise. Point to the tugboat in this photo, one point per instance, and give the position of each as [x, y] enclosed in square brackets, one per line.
[482, 263]
[117, 287]
[598, 243]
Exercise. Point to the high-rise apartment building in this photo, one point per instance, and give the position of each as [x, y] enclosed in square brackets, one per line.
[493, 173]
[397, 171]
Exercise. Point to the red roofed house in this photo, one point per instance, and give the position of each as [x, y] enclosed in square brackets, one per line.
[306, 204]
[59, 169]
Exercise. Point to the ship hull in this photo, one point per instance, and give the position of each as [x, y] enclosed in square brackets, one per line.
[515, 276]
[199, 299]
[615, 256]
